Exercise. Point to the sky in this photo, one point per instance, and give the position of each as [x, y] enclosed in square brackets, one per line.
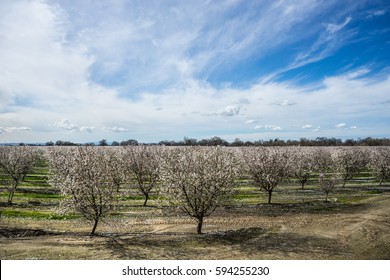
[84, 70]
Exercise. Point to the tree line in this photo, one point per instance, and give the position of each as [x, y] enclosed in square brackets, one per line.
[218, 141]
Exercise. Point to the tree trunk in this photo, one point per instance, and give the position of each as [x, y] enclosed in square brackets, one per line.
[344, 181]
[94, 226]
[200, 224]
[146, 198]
[11, 193]
[269, 196]
[303, 184]
[326, 198]
[380, 183]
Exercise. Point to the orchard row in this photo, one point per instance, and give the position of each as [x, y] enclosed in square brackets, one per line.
[195, 180]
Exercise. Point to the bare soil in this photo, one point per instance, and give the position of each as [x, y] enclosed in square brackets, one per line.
[298, 231]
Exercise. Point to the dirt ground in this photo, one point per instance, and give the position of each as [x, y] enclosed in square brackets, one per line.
[301, 231]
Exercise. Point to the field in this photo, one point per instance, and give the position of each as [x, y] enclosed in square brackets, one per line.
[299, 224]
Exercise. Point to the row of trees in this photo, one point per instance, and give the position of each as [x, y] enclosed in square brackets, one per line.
[217, 141]
[195, 180]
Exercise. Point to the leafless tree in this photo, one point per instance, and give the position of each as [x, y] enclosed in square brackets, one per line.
[349, 162]
[196, 179]
[143, 163]
[380, 163]
[83, 176]
[268, 166]
[16, 162]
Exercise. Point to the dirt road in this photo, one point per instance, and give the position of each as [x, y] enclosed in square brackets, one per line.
[302, 231]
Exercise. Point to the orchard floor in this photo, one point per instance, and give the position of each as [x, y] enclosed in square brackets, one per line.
[315, 230]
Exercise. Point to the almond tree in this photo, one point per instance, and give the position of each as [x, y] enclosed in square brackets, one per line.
[322, 160]
[380, 163]
[303, 164]
[327, 185]
[143, 163]
[196, 179]
[83, 176]
[16, 163]
[349, 162]
[116, 167]
[268, 166]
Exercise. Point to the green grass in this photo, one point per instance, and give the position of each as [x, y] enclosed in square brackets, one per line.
[12, 213]
[33, 195]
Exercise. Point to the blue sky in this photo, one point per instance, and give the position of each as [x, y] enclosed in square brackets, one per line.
[154, 70]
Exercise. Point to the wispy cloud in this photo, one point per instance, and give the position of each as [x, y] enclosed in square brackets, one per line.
[329, 40]
[14, 129]
[116, 129]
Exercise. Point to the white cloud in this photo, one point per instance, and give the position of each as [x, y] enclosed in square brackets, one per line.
[332, 37]
[307, 126]
[284, 102]
[228, 111]
[66, 124]
[271, 127]
[274, 127]
[116, 129]
[333, 28]
[251, 121]
[340, 125]
[87, 129]
[376, 13]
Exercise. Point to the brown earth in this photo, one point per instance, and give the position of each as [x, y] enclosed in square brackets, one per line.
[298, 231]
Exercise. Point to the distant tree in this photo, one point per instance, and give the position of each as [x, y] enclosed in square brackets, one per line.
[103, 142]
[196, 179]
[49, 143]
[64, 143]
[268, 167]
[130, 142]
[190, 141]
[83, 175]
[115, 143]
[16, 162]
[237, 143]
